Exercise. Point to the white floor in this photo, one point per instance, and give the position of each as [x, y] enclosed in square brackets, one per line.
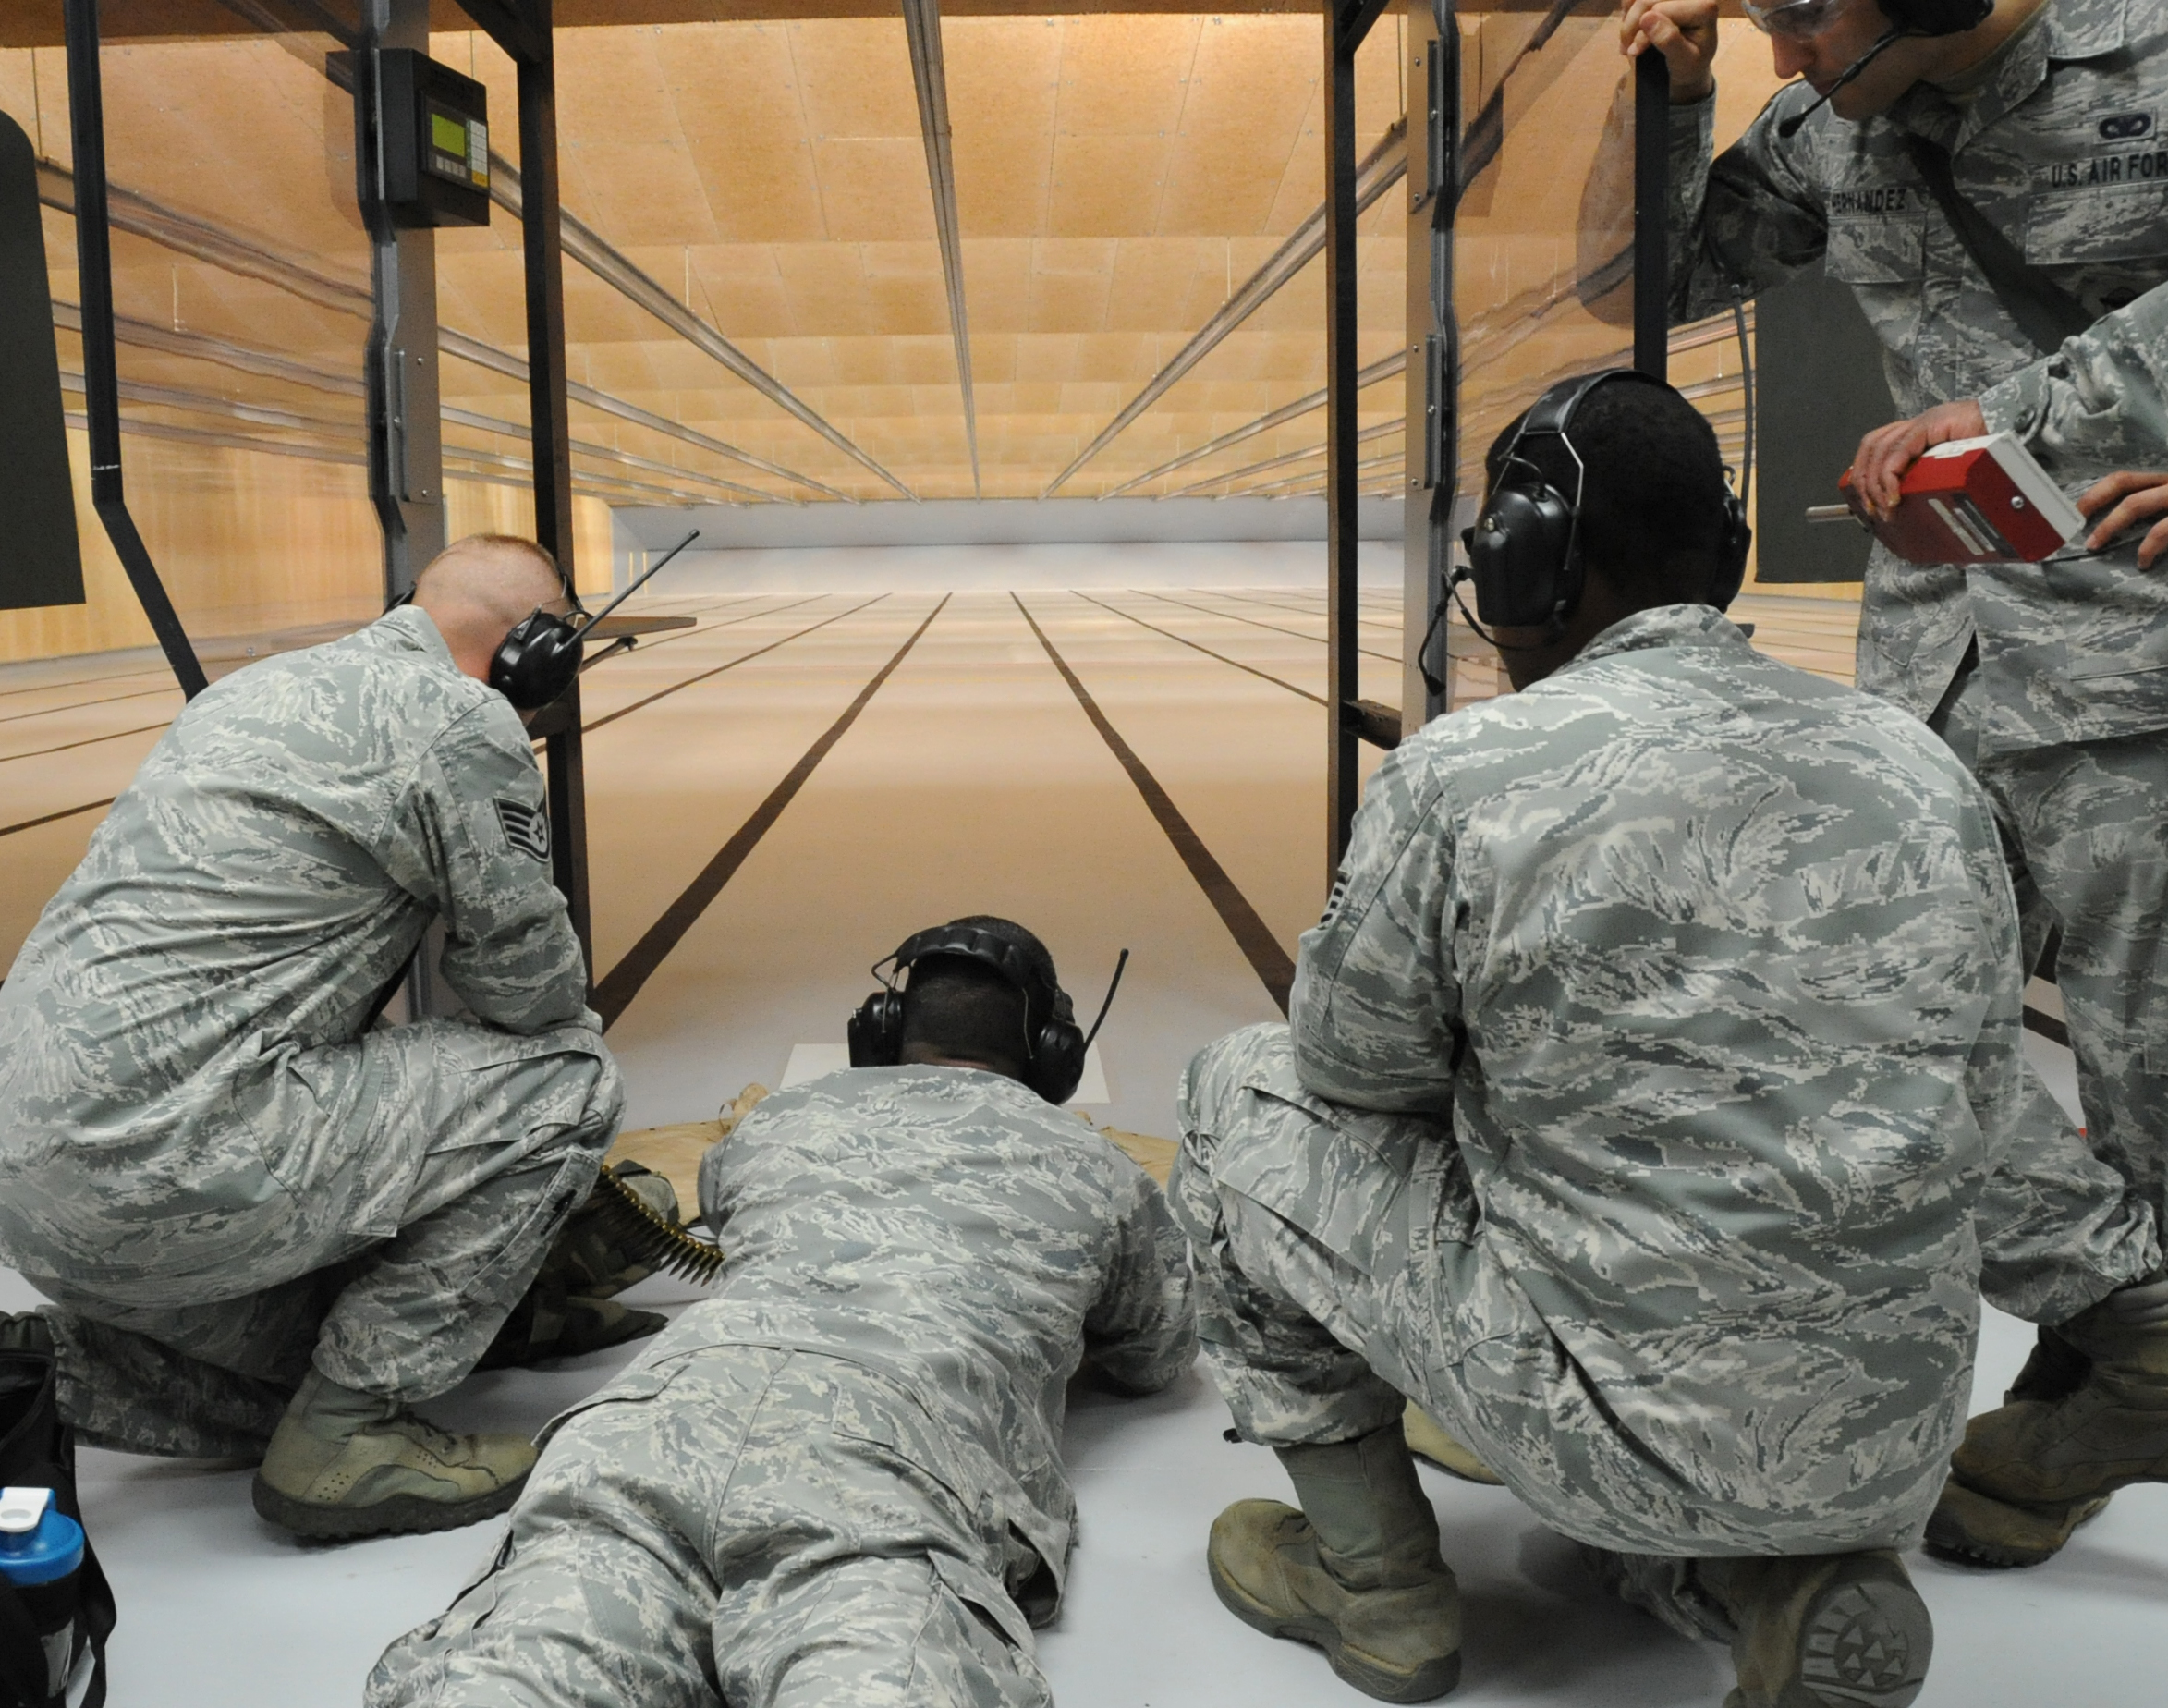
[218, 1610]
[973, 780]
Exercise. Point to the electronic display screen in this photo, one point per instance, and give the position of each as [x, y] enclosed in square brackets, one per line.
[458, 147]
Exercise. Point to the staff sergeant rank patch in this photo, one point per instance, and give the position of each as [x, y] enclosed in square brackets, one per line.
[527, 829]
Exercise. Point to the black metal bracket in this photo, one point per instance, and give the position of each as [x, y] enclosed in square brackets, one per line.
[1652, 238]
[1346, 25]
[524, 30]
[1378, 724]
[93, 249]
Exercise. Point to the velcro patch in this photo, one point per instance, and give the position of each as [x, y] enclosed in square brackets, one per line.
[527, 829]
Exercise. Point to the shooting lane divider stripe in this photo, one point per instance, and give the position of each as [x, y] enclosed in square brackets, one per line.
[1315, 700]
[78, 705]
[589, 729]
[613, 993]
[86, 681]
[53, 818]
[1299, 610]
[1297, 634]
[142, 729]
[1253, 936]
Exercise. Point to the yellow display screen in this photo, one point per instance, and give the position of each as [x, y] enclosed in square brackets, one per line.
[448, 134]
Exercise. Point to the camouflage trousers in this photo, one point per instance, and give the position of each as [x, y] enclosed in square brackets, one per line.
[2085, 830]
[739, 1525]
[414, 1222]
[1342, 1267]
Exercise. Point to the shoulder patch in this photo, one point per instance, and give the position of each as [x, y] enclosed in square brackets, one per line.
[527, 829]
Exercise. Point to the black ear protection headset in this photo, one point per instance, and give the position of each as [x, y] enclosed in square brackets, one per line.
[1524, 554]
[1907, 17]
[1053, 1044]
[540, 658]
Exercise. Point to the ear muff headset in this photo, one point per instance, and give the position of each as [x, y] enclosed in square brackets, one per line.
[1908, 18]
[540, 658]
[1525, 551]
[1053, 1044]
[1936, 18]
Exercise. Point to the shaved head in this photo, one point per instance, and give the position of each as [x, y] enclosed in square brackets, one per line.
[476, 591]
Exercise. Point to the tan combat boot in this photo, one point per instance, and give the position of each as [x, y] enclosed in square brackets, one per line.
[1355, 1572]
[570, 1308]
[1827, 1630]
[343, 1464]
[1429, 1439]
[2027, 1474]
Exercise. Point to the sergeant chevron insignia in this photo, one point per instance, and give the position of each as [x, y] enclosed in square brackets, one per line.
[527, 829]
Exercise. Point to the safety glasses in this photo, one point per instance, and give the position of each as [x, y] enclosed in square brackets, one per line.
[1796, 19]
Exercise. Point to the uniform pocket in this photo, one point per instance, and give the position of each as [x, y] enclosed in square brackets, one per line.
[872, 1416]
[2077, 227]
[1884, 248]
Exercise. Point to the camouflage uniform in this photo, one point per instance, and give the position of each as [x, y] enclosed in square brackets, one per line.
[205, 1157]
[1642, 1079]
[2052, 679]
[838, 1482]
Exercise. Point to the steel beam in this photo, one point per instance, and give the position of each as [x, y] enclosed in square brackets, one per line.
[1384, 368]
[1343, 35]
[94, 250]
[1431, 478]
[406, 437]
[201, 346]
[145, 218]
[505, 188]
[1299, 485]
[599, 486]
[1380, 169]
[542, 242]
[922, 27]
[501, 361]
[1286, 458]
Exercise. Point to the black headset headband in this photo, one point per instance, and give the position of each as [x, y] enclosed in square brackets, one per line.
[1551, 416]
[1053, 1043]
[1524, 551]
[1044, 999]
[1937, 18]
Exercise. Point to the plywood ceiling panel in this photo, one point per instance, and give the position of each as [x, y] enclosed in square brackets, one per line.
[1117, 176]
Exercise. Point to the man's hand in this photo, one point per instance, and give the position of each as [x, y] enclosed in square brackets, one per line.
[1684, 31]
[1883, 455]
[2138, 496]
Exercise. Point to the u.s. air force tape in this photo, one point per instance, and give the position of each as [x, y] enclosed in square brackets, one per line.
[527, 829]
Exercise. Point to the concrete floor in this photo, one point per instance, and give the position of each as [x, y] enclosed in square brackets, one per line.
[973, 780]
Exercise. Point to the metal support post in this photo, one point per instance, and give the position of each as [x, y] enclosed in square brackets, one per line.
[406, 443]
[551, 427]
[1433, 439]
[1346, 25]
[1651, 241]
[93, 249]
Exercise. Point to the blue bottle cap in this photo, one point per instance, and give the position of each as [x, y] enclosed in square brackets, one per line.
[39, 1544]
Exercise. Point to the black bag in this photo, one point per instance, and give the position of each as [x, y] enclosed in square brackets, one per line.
[37, 1450]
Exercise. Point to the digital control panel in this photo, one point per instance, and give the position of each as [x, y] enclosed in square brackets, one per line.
[434, 126]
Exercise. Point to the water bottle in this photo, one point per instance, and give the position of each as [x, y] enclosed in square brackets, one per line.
[41, 1562]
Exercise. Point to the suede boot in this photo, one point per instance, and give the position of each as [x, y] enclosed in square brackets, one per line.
[343, 1464]
[25, 1331]
[1427, 1438]
[2027, 1474]
[1829, 1630]
[1356, 1571]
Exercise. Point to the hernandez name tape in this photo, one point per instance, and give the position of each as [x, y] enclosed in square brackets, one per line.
[1970, 501]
